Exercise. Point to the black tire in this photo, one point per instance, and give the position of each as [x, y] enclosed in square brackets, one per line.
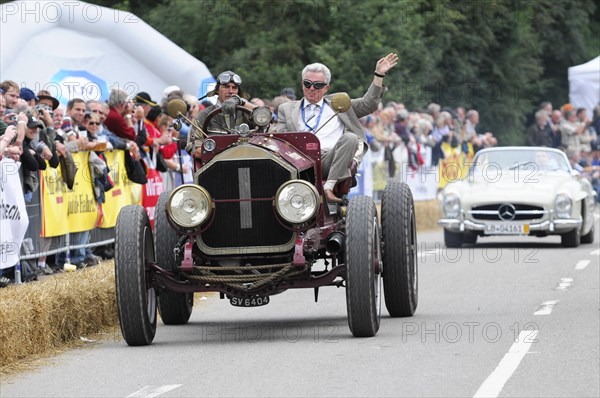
[363, 284]
[453, 239]
[136, 299]
[571, 238]
[589, 237]
[174, 308]
[400, 262]
[470, 238]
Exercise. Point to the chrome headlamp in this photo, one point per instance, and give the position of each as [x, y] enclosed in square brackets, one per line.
[563, 205]
[451, 205]
[297, 201]
[261, 116]
[189, 206]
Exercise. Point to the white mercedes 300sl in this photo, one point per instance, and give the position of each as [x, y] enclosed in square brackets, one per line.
[518, 191]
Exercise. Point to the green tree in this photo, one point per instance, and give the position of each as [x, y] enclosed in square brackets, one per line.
[501, 57]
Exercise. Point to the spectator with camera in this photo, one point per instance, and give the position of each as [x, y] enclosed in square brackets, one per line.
[11, 135]
[34, 156]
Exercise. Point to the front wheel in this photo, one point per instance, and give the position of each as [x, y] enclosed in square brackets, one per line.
[136, 298]
[400, 265]
[571, 238]
[453, 239]
[589, 237]
[363, 261]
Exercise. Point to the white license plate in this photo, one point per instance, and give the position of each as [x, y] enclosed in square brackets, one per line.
[249, 301]
[506, 229]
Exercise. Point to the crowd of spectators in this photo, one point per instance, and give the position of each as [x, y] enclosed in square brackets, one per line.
[37, 131]
[572, 131]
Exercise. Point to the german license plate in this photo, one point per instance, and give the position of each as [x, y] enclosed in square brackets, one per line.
[506, 229]
[249, 301]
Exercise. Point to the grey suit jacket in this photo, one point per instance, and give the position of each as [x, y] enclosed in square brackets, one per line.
[288, 113]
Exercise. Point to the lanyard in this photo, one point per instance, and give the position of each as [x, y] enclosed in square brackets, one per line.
[313, 129]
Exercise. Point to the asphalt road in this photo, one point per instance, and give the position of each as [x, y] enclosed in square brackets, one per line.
[508, 317]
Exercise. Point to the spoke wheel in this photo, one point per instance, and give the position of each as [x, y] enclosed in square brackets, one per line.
[400, 262]
[362, 258]
[136, 297]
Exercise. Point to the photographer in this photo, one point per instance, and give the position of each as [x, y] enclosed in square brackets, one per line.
[34, 156]
[45, 108]
[11, 136]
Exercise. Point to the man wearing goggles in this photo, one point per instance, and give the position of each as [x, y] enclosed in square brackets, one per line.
[230, 94]
[343, 140]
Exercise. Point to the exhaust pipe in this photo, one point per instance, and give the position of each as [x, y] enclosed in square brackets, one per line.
[335, 242]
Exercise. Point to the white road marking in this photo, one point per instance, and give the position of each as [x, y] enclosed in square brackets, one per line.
[581, 264]
[546, 307]
[151, 391]
[564, 284]
[595, 252]
[492, 386]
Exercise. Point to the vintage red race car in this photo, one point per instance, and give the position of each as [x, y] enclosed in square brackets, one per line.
[254, 224]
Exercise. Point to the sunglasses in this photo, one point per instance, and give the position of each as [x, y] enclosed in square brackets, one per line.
[316, 85]
[93, 124]
[227, 77]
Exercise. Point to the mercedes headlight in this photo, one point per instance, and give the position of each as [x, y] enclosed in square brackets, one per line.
[563, 205]
[297, 201]
[189, 206]
[451, 205]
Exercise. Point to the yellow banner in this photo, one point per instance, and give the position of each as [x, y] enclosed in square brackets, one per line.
[123, 193]
[81, 203]
[455, 164]
[66, 211]
[53, 202]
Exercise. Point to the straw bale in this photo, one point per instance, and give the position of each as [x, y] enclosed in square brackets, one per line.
[37, 317]
[427, 213]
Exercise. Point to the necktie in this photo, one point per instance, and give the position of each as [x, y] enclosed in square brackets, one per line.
[310, 114]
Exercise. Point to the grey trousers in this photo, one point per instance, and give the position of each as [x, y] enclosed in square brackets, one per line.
[336, 163]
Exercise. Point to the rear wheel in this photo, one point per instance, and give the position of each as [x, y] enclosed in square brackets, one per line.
[362, 257]
[175, 308]
[136, 298]
[453, 239]
[400, 273]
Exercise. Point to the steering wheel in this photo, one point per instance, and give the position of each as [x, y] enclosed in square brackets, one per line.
[219, 110]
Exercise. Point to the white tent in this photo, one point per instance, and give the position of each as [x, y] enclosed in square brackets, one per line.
[584, 85]
[77, 49]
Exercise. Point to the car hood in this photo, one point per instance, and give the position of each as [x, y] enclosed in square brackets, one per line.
[528, 187]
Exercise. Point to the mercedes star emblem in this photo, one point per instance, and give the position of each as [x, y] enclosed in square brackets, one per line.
[506, 212]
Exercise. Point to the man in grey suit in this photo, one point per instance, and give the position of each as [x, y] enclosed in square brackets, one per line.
[342, 139]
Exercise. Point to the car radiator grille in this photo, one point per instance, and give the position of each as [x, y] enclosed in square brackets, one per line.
[242, 219]
[522, 212]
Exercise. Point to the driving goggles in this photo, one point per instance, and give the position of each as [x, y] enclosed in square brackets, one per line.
[316, 85]
[227, 77]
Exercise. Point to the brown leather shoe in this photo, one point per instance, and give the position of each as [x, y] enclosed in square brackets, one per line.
[330, 197]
